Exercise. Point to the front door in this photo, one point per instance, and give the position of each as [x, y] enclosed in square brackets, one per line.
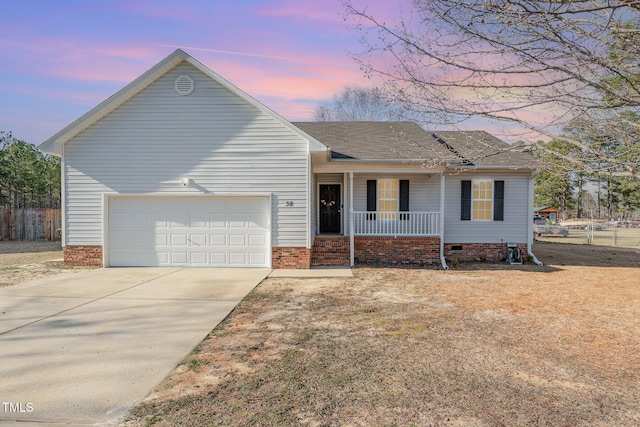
[330, 208]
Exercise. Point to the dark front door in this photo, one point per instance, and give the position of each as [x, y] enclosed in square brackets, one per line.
[330, 208]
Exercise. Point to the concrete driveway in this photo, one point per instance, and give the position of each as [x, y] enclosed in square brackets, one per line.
[83, 348]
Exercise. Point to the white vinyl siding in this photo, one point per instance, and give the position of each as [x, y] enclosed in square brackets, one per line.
[156, 139]
[313, 207]
[514, 226]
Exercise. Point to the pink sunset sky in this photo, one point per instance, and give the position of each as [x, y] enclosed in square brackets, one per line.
[60, 59]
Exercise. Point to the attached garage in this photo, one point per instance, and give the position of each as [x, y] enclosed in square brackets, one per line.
[202, 231]
[182, 168]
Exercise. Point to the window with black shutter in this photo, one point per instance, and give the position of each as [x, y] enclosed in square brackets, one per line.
[388, 195]
[482, 200]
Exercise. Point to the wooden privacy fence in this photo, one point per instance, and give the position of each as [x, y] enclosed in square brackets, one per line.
[30, 224]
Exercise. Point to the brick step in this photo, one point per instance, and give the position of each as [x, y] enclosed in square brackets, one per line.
[329, 257]
[330, 251]
[331, 263]
[338, 250]
[330, 246]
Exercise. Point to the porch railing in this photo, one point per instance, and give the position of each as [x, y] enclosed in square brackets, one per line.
[376, 223]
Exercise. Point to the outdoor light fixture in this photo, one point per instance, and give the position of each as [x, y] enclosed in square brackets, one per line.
[187, 182]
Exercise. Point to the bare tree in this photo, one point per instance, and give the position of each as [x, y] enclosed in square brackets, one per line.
[545, 66]
[357, 104]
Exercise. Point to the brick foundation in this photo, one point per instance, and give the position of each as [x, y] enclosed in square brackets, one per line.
[330, 251]
[473, 252]
[334, 251]
[290, 257]
[397, 250]
[86, 256]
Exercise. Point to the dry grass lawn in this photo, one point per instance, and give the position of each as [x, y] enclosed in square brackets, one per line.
[482, 345]
[22, 261]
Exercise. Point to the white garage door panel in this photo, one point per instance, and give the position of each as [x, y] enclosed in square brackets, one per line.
[198, 231]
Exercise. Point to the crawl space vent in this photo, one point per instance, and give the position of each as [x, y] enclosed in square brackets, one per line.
[184, 85]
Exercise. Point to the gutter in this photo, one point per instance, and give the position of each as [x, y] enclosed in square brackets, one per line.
[398, 161]
[442, 260]
[489, 167]
[530, 224]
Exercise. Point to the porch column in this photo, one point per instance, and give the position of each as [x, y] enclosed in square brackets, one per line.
[442, 260]
[351, 218]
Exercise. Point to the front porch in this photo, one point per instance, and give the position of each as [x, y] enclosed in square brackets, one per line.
[377, 219]
[381, 238]
[375, 250]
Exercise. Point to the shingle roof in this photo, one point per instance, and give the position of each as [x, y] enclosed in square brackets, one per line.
[407, 141]
[484, 148]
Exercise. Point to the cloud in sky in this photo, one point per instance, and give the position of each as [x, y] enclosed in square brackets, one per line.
[60, 59]
[72, 55]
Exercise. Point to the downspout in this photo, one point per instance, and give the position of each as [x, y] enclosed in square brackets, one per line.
[530, 222]
[351, 237]
[442, 260]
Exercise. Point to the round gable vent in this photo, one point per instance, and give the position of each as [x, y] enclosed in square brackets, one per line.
[184, 85]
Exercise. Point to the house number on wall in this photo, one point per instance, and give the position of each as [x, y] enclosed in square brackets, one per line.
[289, 204]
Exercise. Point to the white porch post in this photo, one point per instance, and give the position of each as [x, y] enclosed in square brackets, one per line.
[442, 260]
[351, 230]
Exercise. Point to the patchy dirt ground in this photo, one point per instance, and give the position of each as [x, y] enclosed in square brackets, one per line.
[482, 345]
[24, 261]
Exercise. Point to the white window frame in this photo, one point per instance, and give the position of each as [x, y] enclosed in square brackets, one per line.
[388, 214]
[491, 189]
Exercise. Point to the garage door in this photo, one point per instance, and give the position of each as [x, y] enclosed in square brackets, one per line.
[189, 231]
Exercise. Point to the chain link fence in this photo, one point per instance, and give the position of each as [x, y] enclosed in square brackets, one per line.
[593, 233]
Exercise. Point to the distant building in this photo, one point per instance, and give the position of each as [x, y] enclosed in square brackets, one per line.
[546, 213]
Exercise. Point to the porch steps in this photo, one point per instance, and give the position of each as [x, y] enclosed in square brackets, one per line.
[330, 251]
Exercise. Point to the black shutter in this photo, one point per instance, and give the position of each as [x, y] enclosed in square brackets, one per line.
[498, 200]
[404, 198]
[372, 197]
[465, 206]
[404, 195]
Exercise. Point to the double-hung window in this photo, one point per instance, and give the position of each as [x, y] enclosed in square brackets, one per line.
[388, 196]
[482, 200]
[482, 207]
